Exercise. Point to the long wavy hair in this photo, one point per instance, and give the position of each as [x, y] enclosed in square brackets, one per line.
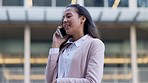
[89, 25]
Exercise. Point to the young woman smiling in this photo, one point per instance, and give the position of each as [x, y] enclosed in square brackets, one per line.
[79, 56]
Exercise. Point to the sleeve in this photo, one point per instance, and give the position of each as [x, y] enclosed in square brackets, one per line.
[94, 67]
[53, 50]
[58, 80]
[51, 64]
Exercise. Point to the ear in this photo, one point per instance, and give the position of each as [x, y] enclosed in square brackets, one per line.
[83, 19]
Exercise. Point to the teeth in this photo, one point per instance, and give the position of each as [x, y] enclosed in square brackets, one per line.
[66, 27]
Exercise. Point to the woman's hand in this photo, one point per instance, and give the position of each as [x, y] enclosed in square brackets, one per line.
[57, 40]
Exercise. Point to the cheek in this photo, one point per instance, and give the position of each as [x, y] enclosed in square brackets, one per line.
[75, 23]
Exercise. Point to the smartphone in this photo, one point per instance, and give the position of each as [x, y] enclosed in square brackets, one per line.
[62, 32]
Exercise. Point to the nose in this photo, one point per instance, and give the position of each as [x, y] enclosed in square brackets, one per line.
[64, 20]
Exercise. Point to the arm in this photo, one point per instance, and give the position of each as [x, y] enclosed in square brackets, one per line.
[95, 65]
[53, 57]
[51, 65]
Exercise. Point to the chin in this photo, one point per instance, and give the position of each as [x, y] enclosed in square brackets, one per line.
[68, 32]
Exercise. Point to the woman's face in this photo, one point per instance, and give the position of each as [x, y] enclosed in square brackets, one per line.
[71, 21]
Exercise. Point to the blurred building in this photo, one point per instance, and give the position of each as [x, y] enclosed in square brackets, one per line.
[26, 28]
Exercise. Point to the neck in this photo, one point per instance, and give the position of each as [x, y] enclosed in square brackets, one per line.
[77, 36]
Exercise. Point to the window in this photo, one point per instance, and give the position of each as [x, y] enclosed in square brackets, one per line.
[142, 3]
[41, 2]
[62, 2]
[123, 3]
[13, 2]
[94, 3]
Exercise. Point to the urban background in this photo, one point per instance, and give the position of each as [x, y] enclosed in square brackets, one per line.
[26, 28]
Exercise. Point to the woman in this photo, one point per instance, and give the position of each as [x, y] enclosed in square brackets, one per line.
[79, 56]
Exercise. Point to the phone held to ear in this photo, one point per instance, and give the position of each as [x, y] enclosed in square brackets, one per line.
[61, 32]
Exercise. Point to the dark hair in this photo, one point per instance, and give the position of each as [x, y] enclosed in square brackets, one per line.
[89, 25]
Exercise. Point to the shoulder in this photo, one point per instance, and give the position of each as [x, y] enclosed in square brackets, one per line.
[96, 42]
[96, 48]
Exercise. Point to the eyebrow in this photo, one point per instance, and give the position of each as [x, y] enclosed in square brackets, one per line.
[67, 14]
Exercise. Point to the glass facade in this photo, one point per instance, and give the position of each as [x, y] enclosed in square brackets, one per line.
[122, 3]
[88, 3]
[62, 2]
[142, 3]
[142, 49]
[11, 54]
[94, 3]
[117, 55]
[41, 2]
[40, 44]
[12, 2]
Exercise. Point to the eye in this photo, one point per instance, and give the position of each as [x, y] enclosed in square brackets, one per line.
[68, 16]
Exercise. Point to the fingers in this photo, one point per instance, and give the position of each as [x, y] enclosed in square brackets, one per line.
[59, 27]
[57, 32]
